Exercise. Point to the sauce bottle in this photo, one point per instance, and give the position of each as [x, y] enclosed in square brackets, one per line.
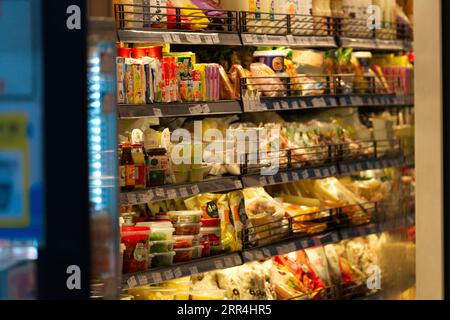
[128, 163]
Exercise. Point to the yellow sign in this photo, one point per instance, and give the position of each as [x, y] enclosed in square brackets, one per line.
[14, 171]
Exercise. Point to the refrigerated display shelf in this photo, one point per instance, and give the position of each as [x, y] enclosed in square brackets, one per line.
[374, 44]
[251, 39]
[179, 109]
[158, 275]
[180, 270]
[171, 191]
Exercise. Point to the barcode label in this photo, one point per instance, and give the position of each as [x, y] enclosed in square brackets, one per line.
[157, 277]
[238, 184]
[183, 192]
[205, 108]
[195, 189]
[131, 282]
[171, 193]
[197, 109]
[177, 272]
[157, 112]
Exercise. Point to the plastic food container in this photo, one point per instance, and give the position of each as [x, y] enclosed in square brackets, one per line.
[185, 216]
[162, 259]
[153, 293]
[161, 246]
[208, 295]
[197, 252]
[162, 230]
[212, 232]
[185, 229]
[197, 240]
[135, 255]
[183, 254]
[183, 241]
[206, 252]
[181, 177]
[274, 59]
[155, 52]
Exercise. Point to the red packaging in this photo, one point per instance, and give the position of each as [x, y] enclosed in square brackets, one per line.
[135, 256]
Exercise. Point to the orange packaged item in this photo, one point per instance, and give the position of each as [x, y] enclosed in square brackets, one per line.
[226, 89]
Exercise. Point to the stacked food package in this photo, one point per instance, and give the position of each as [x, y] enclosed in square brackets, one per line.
[344, 269]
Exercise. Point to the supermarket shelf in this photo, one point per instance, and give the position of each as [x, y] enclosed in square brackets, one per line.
[180, 270]
[179, 37]
[374, 44]
[257, 180]
[167, 192]
[250, 39]
[179, 109]
[290, 103]
[351, 167]
[372, 100]
[291, 245]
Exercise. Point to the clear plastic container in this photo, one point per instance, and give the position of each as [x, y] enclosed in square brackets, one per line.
[208, 295]
[183, 241]
[197, 239]
[197, 252]
[185, 229]
[162, 259]
[183, 254]
[161, 246]
[185, 216]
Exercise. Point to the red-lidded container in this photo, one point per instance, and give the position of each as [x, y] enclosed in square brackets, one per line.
[211, 223]
[139, 52]
[124, 52]
[155, 52]
[135, 256]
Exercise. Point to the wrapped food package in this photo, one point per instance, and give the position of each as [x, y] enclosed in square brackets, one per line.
[263, 79]
[226, 89]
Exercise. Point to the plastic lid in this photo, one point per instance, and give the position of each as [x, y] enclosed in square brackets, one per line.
[185, 213]
[162, 241]
[270, 53]
[124, 52]
[211, 222]
[139, 52]
[137, 228]
[187, 224]
[184, 249]
[183, 237]
[171, 253]
[362, 54]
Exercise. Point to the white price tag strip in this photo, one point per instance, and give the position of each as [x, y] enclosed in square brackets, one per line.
[238, 184]
[149, 195]
[176, 38]
[132, 282]
[215, 38]
[123, 198]
[304, 244]
[292, 247]
[325, 172]
[195, 189]
[266, 253]
[208, 39]
[305, 174]
[294, 104]
[319, 102]
[317, 173]
[276, 106]
[333, 170]
[248, 255]
[196, 109]
[183, 192]
[280, 250]
[284, 105]
[237, 260]
[284, 177]
[167, 38]
[262, 181]
[295, 176]
[205, 108]
[271, 180]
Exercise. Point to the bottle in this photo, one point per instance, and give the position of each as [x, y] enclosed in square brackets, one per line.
[129, 169]
[139, 166]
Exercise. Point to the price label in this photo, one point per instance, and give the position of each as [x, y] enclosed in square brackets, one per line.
[271, 180]
[304, 244]
[193, 270]
[177, 272]
[291, 247]
[333, 170]
[305, 174]
[123, 198]
[265, 38]
[157, 277]
[195, 189]
[369, 165]
[334, 237]
[157, 112]
[332, 102]
[343, 101]
[176, 38]
[167, 38]
[183, 192]
[319, 102]
[295, 176]
[238, 184]
[303, 104]
[149, 195]
[171, 193]
[228, 262]
[168, 275]
[359, 167]
[294, 104]
[248, 256]
[317, 173]
[142, 280]
[290, 39]
[325, 172]
[197, 109]
[284, 105]
[250, 38]
[208, 39]
[266, 253]
[218, 264]
[262, 181]
[132, 282]
[385, 163]
[276, 106]
[237, 260]
[215, 38]
[160, 192]
[351, 168]
[131, 197]
[317, 241]
[280, 250]
[205, 108]
[344, 168]
[284, 177]
[357, 101]
[140, 198]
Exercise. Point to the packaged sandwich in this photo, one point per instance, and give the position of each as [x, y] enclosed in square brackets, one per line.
[226, 89]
